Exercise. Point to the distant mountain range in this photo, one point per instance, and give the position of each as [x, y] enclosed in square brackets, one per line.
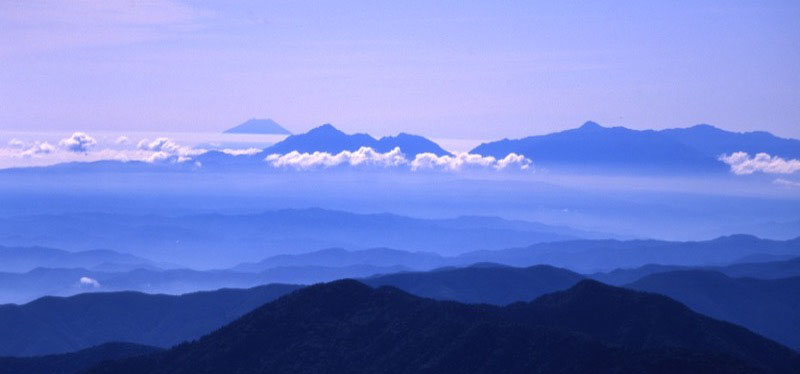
[594, 148]
[588, 256]
[339, 257]
[346, 326]
[327, 138]
[24, 259]
[217, 240]
[258, 126]
[591, 148]
[196, 240]
[611, 261]
[761, 270]
[24, 287]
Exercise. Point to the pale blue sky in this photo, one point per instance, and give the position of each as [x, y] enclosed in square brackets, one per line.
[454, 69]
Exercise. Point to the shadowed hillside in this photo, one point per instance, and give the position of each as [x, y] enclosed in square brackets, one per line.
[57, 325]
[346, 326]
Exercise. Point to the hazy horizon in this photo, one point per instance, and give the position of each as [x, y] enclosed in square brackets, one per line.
[461, 70]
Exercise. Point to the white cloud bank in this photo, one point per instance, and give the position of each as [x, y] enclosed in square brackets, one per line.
[242, 152]
[742, 163]
[82, 147]
[366, 156]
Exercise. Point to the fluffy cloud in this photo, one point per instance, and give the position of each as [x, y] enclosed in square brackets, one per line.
[81, 147]
[38, 148]
[242, 152]
[467, 160]
[164, 148]
[78, 142]
[362, 157]
[158, 145]
[742, 164]
[19, 148]
[366, 156]
[16, 143]
[89, 282]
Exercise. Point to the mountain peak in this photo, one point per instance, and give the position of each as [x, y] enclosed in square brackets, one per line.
[325, 128]
[258, 126]
[327, 138]
[591, 125]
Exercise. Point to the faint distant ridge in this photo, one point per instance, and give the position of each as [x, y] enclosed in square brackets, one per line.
[327, 138]
[259, 126]
[714, 141]
[595, 147]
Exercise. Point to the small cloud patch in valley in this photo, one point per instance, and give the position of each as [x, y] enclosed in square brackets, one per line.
[89, 282]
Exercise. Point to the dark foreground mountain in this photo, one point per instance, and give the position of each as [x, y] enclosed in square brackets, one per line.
[57, 325]
[481, 283]
[348, 327]
[768, 307]
[73, 363]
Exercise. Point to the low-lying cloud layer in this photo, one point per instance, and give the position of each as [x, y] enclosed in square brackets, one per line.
[368, 157]
[82, 147]
[742, 163]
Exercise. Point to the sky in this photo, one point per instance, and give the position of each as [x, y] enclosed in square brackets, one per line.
[444, 69]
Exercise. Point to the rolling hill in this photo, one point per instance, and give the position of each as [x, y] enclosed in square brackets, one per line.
[74, 362]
